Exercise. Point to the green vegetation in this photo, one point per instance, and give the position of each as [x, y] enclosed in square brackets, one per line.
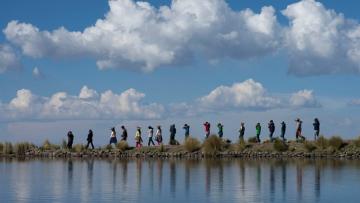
[280, 145]
[47, 146]
[23, 147]
[162, 148]
[8, 148]
[252, 140]
[212, 145]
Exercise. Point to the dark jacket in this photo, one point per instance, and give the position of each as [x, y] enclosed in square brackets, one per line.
[316, 125]
[90, 136]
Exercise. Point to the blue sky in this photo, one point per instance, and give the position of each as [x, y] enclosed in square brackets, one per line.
[222, 61]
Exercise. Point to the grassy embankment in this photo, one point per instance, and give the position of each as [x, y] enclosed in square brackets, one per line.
[213, 146]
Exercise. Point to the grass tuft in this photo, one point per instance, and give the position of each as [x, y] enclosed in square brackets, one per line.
[309, 146]
[322, 142]
[192, 144]
[336, 142]
[212, 145]
[280, 145]
[122, 146]
[252, 140]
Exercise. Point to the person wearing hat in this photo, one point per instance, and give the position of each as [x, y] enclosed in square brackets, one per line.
[158, 137]
[220, 130]
[187, 130]
[242, 131]
[299, 130]
[113, 139]
[271, 126]
[283, 131]
[138, 138]
[258, 132]
[150, 136]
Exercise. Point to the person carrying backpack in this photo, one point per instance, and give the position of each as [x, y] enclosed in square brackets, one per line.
[124, 133]
[172, 135]
[158, 137]
[316, 125]
[220, 130]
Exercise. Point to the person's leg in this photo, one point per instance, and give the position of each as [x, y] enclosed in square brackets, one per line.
[92, 145]
[87, 145]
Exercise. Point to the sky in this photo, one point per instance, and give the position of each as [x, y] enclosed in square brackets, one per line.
[68, 65]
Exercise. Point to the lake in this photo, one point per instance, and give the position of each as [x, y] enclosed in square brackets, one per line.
[155, 180]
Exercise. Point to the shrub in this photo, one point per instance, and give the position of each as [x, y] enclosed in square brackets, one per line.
[322, 142]
[108, 147]
[122, 146]
[162, 148]
[280, 145]
[22, 148]
[8, 148]
[252, 140]
[192, 144]
[357, 142]
[336, 142]
[79, 148]
[63, 144]
[47, 145]
[309, 146]
[212, 145]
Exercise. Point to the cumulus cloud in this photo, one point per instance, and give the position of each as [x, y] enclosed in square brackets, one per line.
[9, 60]
[320, 40]
[247, 94]
[87, 105]
[135, 34]
[304, 98]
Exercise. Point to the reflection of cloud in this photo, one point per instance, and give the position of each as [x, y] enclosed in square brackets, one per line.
[22, 182]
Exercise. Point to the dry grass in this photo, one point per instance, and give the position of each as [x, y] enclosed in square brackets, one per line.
[212, 145]
[280, 145]
[122, 146]
[322, 142]
[309, 146]
[336, 142]
[192, 144]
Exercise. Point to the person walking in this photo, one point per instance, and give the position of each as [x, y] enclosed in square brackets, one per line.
[242, 131]
[316, 125]
[207, 129]
[138, 138]
[172, 135]
[258, 132]
[299, 130]
[283, 131]
[124, 133]
[113, 139]
[158, 137]
[187, 130]
[90, 139]
[271, 126]
[220, 130]
[150, 136]
[70, 136]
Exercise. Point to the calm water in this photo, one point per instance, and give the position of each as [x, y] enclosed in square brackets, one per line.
[179, 181]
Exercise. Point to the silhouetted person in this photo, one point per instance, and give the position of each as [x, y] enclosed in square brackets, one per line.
[258, 132]
[138, 138]
[70, 136]
[283, 131]
[150, 136]
[113, 139]
[172, 135]
[187, 130]
[124, 134]
[207, 129]
[271, 127]
[242, 131]
[220, 130]
[299, 130]
[158, 137]
[90, 139]
[316, 125]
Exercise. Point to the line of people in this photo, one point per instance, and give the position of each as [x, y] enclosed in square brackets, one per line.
[207, 126]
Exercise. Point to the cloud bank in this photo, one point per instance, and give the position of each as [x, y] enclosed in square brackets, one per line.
[9, 60]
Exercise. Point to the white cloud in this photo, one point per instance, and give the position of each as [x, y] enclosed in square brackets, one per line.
[138, 35]
[37, 73]
[354, 102]
[245, 95]
[303, 98]
[8, 59]
[88, 105]
[320, 40]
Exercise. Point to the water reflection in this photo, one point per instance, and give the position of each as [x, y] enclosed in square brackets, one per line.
[215, 180]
